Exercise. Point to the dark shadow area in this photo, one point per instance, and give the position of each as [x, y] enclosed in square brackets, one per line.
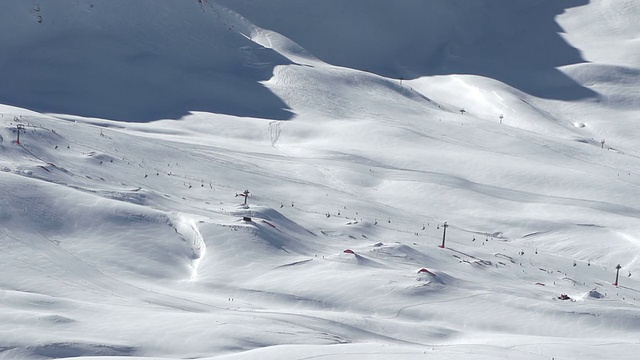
[69, 349]
[133, 61]
[516, 42]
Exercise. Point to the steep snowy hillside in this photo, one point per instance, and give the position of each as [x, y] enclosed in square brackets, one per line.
[133, 60]
[148, 60]
[516, 42]
[367, 133]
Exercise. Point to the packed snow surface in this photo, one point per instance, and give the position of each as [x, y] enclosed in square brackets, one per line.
[367, 133]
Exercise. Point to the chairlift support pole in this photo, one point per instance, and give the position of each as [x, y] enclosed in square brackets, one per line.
[19, 128]
[617, 274]
[444, 233]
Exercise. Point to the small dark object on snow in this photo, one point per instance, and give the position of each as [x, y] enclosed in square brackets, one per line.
[564, 297]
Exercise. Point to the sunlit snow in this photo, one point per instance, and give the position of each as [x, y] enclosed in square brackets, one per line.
[359, 128]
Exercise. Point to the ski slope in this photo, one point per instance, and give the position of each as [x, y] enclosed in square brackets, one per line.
[123, 235]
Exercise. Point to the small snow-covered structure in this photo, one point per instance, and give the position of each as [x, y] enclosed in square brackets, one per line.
[595, 294]
[425, 271]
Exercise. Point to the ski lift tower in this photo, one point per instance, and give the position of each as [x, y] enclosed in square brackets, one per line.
[245, 194]
[19, 127]
[444, 233]
[617, 274]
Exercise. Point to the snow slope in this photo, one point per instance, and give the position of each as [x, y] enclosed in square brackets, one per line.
[123, 235]
[133, 60]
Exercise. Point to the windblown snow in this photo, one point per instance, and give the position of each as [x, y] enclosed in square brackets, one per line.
[368, 135]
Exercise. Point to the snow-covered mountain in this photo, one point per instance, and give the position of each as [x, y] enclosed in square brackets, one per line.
[359, 128]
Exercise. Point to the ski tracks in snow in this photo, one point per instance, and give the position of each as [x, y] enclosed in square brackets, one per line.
[275, 130]
[337, 183]
[188, 230]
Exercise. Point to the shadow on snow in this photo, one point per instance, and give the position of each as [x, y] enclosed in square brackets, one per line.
[134, 61]
[516, 42]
